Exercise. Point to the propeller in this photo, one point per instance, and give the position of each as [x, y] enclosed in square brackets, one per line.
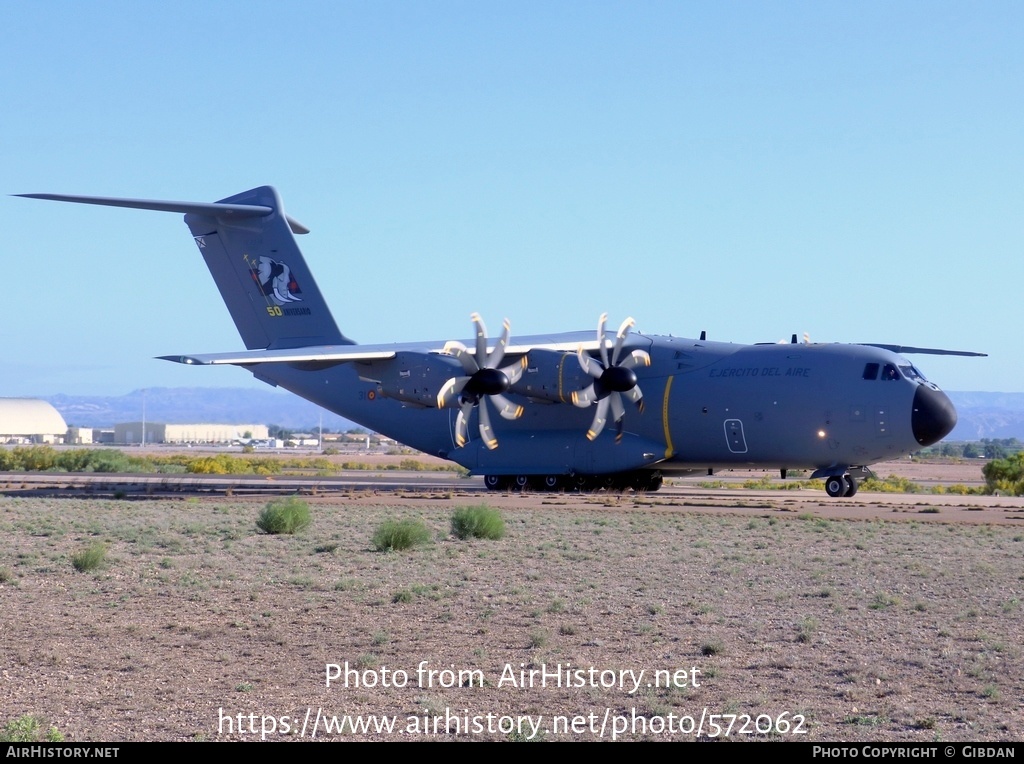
[483, 380]
[792, 340]
[613, 379]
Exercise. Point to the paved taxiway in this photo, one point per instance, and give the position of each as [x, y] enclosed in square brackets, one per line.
[411, 487]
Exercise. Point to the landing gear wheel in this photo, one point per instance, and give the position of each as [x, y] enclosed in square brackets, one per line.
[837, 485]
[642, 480]
[552, 483]
[581, 483]
[495, 482]
[521, 482]
[852, 490]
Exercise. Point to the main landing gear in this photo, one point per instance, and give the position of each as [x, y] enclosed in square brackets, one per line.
[838, 486]
[638, 480]
[842, 485]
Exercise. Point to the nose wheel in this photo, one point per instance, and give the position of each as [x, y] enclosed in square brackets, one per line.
[838, 486]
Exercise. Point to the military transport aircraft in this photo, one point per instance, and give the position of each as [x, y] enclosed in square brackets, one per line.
[675, 405]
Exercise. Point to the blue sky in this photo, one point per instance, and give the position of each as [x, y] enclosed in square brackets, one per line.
[851, 170]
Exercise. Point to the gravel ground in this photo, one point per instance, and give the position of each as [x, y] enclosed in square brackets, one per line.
[669, 616]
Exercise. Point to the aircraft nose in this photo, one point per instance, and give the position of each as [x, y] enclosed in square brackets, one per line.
[934, 416]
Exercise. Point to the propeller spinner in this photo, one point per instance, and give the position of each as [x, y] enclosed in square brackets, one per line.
[613, 379]
[483, 381]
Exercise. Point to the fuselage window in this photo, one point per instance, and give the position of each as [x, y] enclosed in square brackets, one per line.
[889, 372]
[871, 371]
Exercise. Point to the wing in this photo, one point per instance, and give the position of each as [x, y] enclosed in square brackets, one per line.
[905, 349]
[323, 354]
[330, 355]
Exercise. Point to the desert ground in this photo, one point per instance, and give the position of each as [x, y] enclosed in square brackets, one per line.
[692, 613]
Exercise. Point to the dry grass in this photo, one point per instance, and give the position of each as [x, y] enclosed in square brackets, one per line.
[873, 630]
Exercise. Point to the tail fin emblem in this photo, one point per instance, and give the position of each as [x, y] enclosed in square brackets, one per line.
[275, 280]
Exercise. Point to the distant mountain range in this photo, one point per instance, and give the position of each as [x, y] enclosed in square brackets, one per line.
[988, 415]
[184, 405]
[981, 415]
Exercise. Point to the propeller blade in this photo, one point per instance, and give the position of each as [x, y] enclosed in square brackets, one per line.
[499, 350]
[449, 393]
[481, 339]
[636, 358]
[588, 364]
[620, 337]
[602, 340]
[515, 370]
[461, 352]
[486, 431]
[507, 408]
[600, 418]
[583, 398]
[462, 425]
[618, 410]
[636, 397]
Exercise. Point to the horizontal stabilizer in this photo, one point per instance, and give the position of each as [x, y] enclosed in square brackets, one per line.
[907, 349]
[216, 209]
[324, 354]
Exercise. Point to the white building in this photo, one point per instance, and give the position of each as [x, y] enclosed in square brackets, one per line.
[130, 433]
[27, 420]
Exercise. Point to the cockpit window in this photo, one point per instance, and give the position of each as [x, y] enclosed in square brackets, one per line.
[912, 372]
[889, 372]
[871, 371]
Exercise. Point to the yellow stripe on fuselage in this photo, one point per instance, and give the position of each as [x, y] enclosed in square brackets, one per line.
[669, 451]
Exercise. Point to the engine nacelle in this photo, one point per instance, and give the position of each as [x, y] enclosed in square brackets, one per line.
[551, 376]
[414, 377]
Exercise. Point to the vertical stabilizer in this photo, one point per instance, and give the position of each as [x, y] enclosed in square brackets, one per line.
[262, 276]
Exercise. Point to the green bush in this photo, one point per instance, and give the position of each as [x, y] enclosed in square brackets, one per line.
[289, 515]
[29, 729]
[892, 484]
[90, 558]
[480, 522]
[400, 534]
[1005, 475]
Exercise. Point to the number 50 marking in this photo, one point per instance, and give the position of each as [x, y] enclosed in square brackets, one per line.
[274, 310]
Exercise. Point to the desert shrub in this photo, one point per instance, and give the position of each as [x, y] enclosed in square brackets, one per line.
[29, 458]
[288, 515]
[222, 464]
[111, 461]
[1005, 475]
[892, 484]
[400, 534]
[960, 489]
[262, 465]
[480, 522]
[29, 729]
[90, 558]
